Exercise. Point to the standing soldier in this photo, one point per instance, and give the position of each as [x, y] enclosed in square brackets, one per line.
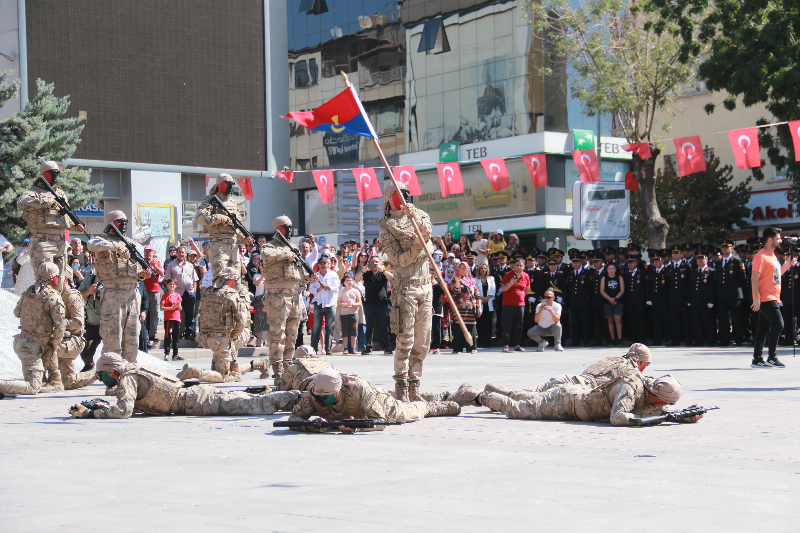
[579, 298]
[46, 221]
[120, 299]
[788, 280]
[222, 324]
[73, 342]
[41, 314]
[702, 295]
[412, 295]
[223, 248]
[730, 284]
[745, 312]
[283, 280]
[679, 316]
[635, 290]
[598, 318]
[658, 296]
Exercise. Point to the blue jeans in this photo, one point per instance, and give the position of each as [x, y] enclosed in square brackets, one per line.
[187, 313]
[319, 312]
[379, 312]
[362, 336]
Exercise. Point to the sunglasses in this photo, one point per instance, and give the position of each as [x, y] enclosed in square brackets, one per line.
[548, 297]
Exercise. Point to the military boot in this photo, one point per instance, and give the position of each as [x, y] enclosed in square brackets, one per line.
[465, 395]
[492, 400]
[277, 373]
[262, 365]
[237, 376]
[413, 390]
[188, 372]
[434, 396]
[55, 384]
[442, 409]
[499, 390]
[401, 390]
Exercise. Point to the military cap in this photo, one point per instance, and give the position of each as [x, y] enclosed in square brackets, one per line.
[726, 242]
[552, 262]
[755, 248]
[638, 352]
[701, 253]
[782, 250]
[304, 351]
[228, 273]
[282, 220]
[598, 256]
[666, 388]
[493, 255]
[656, 254]
[631, 258]
[541, 254]
[740, 248]
[530, 257]
[715, 251]
[471, 253]
[583, 255]
[634, 246]
[327, 381]
[46, 271]
[518, 256]
[503, 253]
[575, 257]
[44, 166]
[535, 251]
[572, 251]
[609, 250]
[676, 249]
[115, 215]
[687, 247]
[556, 251]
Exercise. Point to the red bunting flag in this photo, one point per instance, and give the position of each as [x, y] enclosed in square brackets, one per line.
[325, 185]
[450, 178]
[689, 151]
[586, 161]
[643, 149]
[794, 127]
[745, 147]
[537, 168]
[407, 177]
[366, 184]
[247, 187]
[285, 175]
[631, 183]
[497, 173]
[208, 178]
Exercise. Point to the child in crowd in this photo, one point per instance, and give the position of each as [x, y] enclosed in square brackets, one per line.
[349, 302]
[171, 306]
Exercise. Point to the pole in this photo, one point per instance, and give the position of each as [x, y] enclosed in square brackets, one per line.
[360, 223]
[418, 233]
[599, 146]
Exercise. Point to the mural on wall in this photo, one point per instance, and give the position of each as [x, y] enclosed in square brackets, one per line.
[154, 224]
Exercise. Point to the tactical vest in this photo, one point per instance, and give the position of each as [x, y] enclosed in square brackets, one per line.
[217, 309]
[597, 403]
[302, 371]
[161, 392]
[355, 394]
[73, 312]
[114, 268]
[281, 274]
[398, 227]
[34, 319]
[610, 368]
[207, 209]
[45, 217]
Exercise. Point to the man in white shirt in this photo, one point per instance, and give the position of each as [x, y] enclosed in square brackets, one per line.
[323, 299]
[548, 322]
[481, 247]
[183, 272]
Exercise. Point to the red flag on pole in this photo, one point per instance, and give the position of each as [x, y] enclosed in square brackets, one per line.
[745, 147]
[324, 181]
[285, 175]
[407, 177]
[794, 126]
[689, 151]
[631, 183]
[643, 149]
[247, 187]
[537, 168]
[450, 178]
[586, 161]
[366, 184]
[208, 178]
[497, 173]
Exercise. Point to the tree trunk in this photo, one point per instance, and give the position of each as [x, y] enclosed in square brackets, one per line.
[644, 172]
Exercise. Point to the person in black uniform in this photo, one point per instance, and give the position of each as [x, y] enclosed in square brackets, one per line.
[689, 254]
[702, 295]
[609, 254]
[598, 317]
[679, 315]
[579, 300]
[635, 292]
[745, 312]
[498, 273]
[532, 295]
[658, 296]
[730, 276]
[788, 280]
[555, 280]
[558, 255]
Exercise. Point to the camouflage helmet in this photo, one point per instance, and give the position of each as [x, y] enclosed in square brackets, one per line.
[224, 177]
[304, 351]
[666, 388]
[327, 381]
[638, 352]
[228, 273]
[390, 189]
[115, 215]
[282, 220]
[46, 271]
[44, 166]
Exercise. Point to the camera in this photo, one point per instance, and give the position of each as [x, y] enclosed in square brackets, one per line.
[792, 239]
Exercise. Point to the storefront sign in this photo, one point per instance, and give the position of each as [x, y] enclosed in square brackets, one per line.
[94, 209]
[772, 207]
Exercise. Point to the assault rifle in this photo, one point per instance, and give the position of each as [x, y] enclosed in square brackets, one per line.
[7, 396]
[352, 423]
[258, 389]
[135, 256]
[65, 208]
[92, 405]
[234, 219]
[300, 261]
[672, 417]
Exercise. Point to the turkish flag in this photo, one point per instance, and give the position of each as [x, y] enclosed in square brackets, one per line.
[366, 184]
[450, 178]
[631, 183]
[285, 175]
[497, 173]
[247, 187]
[537, 168]
[794, 127]
[689, 151]
[586, 161]
[643, 149]
[407, 177]
[208, 178]
[324, 181]
[745, 147]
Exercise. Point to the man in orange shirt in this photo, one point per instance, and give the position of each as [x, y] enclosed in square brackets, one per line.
[766, 283]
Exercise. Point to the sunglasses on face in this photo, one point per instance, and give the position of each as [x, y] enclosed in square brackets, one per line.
[548, 297]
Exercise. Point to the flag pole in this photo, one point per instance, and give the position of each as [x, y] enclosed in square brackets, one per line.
[419, 235]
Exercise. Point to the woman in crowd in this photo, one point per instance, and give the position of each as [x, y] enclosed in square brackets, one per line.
[469, 305]
[359, 262]
[612, 287]
[496, 241]
[253, 269]
[447, 243]
[260, 326]
[349, 303]
[463, 243]
[514, 246]
[487, 292]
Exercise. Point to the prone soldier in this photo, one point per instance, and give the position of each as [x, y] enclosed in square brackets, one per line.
[298, 375]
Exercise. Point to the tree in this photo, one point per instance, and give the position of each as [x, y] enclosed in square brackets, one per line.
[753, 52]
[621, 68]
[700, 207]
[35, 134]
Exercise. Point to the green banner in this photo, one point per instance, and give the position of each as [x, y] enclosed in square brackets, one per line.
[584, 139]
[454, 227]
[448, 152]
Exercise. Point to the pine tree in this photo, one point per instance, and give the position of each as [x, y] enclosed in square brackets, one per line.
[35, 134]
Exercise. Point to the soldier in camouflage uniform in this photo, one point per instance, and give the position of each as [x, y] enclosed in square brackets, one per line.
[220, 325]
[283, 282]
[153, 392]
[73, 342]
[633, 362]
[412, 295]
[120, 300]
[41, 314]
[299, 374]
[618, 401]
[333, 396]
[223, 250]
[47, 225]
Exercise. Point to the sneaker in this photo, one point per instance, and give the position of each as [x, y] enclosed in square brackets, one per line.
[177, 357]
[388, 352]
[542, 346]
[436, 350]
[773, 362]
[166, 357]
[474, 351]
[759, 363]
[559, 348]
[366, 351]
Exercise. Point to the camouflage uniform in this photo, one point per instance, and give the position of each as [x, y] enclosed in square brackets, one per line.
[47, 241]
[120, 300]
[412, 295]
[300, 373]
[156, 393]
[41, 314]
[223, 250]
[73, 343]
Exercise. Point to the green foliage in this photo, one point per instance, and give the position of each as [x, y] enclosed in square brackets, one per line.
[754, 54]
[701, 207]
[37, 133]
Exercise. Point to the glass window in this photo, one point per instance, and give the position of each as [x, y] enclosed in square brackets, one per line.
[301, 74]
[193, 187]
[434, 38]
[313, 71]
